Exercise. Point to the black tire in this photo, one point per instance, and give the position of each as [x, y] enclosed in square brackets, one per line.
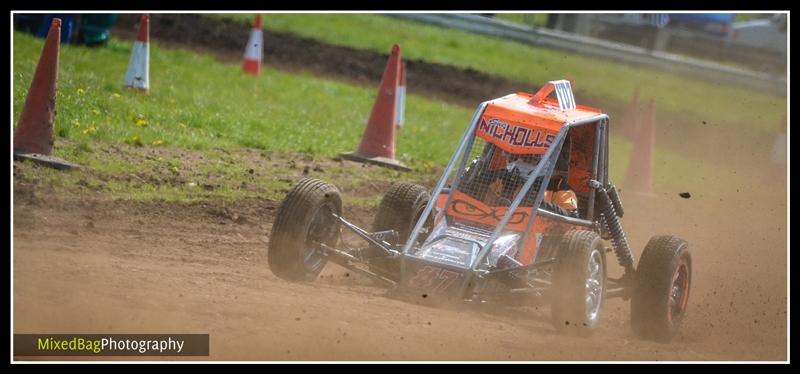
[399, 210]
[304, 216]
[661, 294]
[580, 258]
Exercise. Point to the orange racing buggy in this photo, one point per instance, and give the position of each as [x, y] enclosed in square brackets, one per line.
[520, 215]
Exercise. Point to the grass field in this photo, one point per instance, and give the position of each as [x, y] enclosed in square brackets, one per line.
[198, 103]
[205, 126]
[599, 78]
[530, 19]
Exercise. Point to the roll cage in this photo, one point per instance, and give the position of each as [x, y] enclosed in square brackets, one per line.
[538, 178]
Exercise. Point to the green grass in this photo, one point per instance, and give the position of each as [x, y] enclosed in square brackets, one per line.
[674, 173]
[206, 123]
[197, 103]
[530, 19]
[689, 98]
[121, 171]
[740, 17]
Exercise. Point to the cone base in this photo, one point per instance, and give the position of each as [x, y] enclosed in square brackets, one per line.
[49, 161]
[252, 67]
[139, 90]
[380, 161]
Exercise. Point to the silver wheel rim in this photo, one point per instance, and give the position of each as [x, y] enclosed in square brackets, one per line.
[594, 286]
[313, 257]
[678, 295]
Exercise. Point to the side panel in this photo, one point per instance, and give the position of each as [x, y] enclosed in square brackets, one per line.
[544, 231]
[581, 157]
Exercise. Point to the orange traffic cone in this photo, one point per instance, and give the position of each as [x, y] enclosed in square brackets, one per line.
[377, 144]
[639, 176]
[631, 117]
[254, 50]
[138, 75]
[33, 138]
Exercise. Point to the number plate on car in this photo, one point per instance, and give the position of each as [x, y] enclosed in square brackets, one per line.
[433, 279]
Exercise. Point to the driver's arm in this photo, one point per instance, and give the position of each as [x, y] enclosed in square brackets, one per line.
[559, 194]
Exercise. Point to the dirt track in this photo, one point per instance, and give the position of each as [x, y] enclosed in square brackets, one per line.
[103, 266]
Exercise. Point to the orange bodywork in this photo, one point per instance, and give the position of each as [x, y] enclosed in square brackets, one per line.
[581, 157]
[466, 208]
[525, 123]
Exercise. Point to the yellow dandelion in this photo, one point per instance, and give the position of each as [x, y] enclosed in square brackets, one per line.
[135, 140]
[115, 95]
[158, 142]
[140, 122]
[81, 91]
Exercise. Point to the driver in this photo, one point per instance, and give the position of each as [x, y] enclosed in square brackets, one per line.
[558, 198]
[509, 180]
[559, 193]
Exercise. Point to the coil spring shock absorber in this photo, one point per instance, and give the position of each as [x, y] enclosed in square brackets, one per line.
[610, 221]
[614, 195]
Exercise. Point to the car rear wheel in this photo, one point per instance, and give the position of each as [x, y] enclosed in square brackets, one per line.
[400, 209]
[661, 294]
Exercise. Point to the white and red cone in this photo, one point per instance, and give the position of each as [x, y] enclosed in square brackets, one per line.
[138, 75]
[255, 48]
[400, 115]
